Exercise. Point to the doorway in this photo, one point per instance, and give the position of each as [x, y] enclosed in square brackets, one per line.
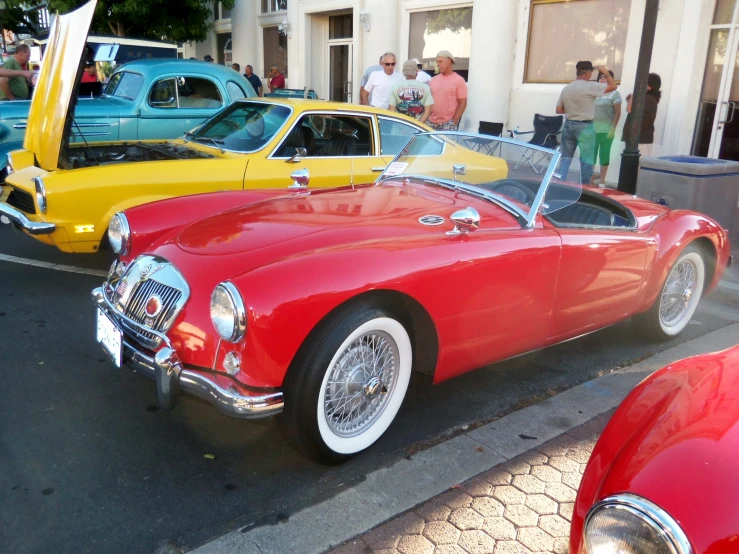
[717, 129]
[340, 57]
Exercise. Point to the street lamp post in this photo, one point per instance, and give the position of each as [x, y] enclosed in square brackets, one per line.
[630, 157]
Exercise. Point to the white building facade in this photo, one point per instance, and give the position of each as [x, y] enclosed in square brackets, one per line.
[516, 54]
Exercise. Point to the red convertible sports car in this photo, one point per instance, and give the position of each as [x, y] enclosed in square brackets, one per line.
[319, 303]
[662, 478]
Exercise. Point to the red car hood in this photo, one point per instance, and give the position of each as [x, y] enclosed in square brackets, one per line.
[675, 441]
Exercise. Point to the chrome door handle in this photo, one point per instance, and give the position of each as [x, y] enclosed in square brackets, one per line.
[378, 169]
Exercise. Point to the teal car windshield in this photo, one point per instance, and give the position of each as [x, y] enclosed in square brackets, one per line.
[125, 84]
[243, 126]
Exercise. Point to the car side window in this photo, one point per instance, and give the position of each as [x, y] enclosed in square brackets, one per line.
[185, 92]
[329, 135]
[394, 135]
[163, 94]
[235, 91]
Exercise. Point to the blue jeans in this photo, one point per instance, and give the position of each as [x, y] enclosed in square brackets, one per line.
[578, 134]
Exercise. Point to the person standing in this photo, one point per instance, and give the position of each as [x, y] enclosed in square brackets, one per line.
[607, 114]
[646, 133]
[89, 75]
[367, 72]
[256, 82]
[412, 97]
[381, 83]
[16, 88]
[577, 102]
[208, 58]
[450, 95]
[236, 67]
[275, 79]
[422, 75]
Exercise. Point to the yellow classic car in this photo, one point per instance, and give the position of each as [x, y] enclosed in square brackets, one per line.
[65, 194]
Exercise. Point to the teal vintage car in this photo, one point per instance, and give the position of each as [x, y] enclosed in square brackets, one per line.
[144, 99]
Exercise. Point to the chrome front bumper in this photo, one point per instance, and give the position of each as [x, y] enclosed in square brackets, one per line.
[20, 219]
[171, 377]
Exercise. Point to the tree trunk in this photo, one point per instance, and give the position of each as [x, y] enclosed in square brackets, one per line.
[117, 28]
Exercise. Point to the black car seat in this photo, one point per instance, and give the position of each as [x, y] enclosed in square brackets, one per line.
[299, 137]
[581, 213]
[341, 145]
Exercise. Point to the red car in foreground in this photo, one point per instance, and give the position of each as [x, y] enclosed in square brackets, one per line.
[319, 303]
[663, 476]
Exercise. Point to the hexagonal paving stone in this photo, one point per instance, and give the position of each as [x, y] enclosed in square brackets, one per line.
[516, 467]
[455, 498]
[580, 455]
[561, 546]
[465, 519]
[434, 511]
[499, 528]
[352, 547]
[415, 544]
[563, 464]
[451, 549]
[497, 477]
[535, 539]
[488, 507]
[555, 526]
[559, 446]
[547, 474]
[528, 484]
[582, 468]
[476, 542]
[386, 536]
[560, 492]
[477, 487]
[541, 504]
[510, 547]
[520, 515]
[572, 479]
[509, 495]
[566, 509]
[441, 532]
[387, 551]
[532, 457]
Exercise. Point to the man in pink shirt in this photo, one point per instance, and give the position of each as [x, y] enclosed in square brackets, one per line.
[449, 91]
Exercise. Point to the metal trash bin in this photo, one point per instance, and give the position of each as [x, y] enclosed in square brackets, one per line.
[705, 185]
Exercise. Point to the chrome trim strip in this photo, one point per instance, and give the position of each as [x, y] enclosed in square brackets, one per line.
[227, 401]
[240, 313]
[90, 134]
[20, 126]
[20, 219]
[663, 522]
[89, 125]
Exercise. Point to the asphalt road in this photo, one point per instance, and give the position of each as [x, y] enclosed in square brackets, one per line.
[89, 464]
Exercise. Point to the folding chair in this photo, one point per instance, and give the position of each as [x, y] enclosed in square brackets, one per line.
[487, 128]
[546, 130]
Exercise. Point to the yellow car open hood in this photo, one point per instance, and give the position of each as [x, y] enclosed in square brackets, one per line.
[49, 119]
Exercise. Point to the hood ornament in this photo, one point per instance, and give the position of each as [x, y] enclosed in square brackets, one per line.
[147, 271]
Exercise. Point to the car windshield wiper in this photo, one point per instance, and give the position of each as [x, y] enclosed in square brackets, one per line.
[215, 142]
[123, 96]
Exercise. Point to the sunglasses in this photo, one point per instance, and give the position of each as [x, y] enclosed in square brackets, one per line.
[389, 63]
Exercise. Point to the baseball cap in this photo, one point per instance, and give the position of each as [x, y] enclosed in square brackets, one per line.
[208, 58]
[445, 54]
[410, 68]
[415, 61]
[584, 66]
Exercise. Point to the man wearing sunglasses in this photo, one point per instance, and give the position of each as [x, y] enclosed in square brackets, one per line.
[381, 83]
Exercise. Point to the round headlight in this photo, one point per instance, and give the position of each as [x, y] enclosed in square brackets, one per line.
[227, 312]
[119, 234]
[629, 524]
[40, 194]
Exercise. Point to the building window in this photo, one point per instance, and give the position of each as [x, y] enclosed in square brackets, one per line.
[270, 6]
[432, 31]
[219, 12]
[340, 26]
[563, 32]
[275, 50]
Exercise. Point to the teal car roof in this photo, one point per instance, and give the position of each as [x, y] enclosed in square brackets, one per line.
[171, 65]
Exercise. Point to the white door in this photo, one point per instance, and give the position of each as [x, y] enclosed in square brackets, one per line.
[717, 130]
[340, 70]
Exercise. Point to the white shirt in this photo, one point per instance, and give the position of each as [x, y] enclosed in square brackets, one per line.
[423, 77]
[380, 85]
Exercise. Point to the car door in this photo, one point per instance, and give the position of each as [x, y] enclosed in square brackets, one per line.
[175, 104]
[341, 148]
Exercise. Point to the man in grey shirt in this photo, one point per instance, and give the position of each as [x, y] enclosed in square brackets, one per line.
[577, 101]
[369, 71]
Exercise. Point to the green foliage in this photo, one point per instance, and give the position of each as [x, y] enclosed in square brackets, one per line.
[454, 20]
[172, 20]
[15, 18]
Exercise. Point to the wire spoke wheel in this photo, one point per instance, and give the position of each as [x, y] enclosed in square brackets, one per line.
[678, 292]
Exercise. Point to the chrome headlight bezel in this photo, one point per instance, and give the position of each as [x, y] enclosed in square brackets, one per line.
[9, 163]
[40, 194]
[647, 512]
[119, 234]
[231, 324]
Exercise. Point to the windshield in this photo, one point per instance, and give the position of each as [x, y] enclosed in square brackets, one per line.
[243, 126]
[125, 84]
[513, 174]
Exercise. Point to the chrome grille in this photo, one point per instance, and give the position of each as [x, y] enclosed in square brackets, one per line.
[136, 308]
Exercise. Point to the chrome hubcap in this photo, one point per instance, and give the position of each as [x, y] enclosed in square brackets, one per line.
[361, 383]
[678, 293]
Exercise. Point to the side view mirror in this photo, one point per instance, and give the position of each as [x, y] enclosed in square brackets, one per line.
[300, 178]
[300, 153]
[465, 221]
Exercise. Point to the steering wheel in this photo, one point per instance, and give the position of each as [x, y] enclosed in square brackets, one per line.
[512, 189]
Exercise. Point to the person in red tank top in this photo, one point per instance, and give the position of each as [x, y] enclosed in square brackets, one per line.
[276, 79]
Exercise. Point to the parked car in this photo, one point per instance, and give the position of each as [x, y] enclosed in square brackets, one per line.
[318, 304]
[662, 477]
[66, 194]
[144, 99]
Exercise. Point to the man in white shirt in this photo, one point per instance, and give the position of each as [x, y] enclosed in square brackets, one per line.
[421, 75]
[381, 83]
[369, 71]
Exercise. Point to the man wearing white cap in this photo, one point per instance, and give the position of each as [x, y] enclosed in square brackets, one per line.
[412, 97]
[450, 95]
[421, 75]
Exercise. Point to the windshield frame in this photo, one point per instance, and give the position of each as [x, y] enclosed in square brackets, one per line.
[121, 70]
[529, 218]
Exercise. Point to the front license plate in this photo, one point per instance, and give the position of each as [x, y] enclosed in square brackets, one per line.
[110, 337]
